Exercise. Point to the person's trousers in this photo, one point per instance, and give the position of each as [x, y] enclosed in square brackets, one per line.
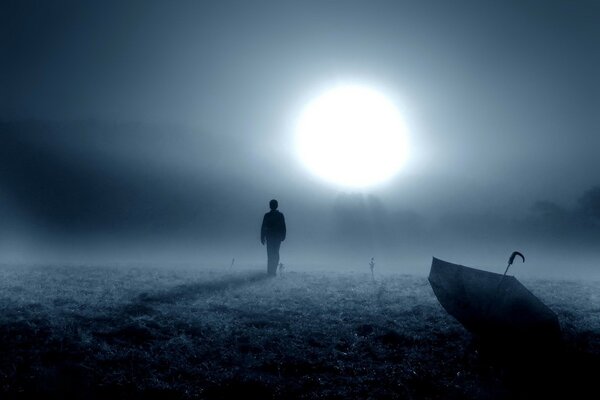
[273, 255]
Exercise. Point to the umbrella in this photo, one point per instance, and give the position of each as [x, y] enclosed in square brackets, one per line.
[492, 305]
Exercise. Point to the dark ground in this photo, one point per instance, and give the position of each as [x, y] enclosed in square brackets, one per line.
[145, 332]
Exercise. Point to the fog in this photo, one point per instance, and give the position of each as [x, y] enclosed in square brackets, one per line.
[158, 132]
[95, 192]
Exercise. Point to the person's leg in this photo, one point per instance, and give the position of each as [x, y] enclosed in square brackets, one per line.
[276, 255]
[270, 257]
[273, 256]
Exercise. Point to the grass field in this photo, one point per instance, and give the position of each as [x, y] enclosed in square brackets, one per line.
[148, 332]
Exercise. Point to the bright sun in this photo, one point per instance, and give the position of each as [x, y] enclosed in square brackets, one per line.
[352, 136]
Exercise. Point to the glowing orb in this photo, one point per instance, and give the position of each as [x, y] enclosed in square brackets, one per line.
[352, 136]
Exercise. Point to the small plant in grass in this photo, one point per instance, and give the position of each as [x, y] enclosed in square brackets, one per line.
[232, 262]
[372, 266]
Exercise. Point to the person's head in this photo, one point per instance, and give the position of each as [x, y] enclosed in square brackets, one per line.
[273, 204]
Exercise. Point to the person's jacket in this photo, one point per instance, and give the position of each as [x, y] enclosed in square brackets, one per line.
[273, 226]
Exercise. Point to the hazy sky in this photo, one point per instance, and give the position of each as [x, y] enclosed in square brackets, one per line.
[501, 100]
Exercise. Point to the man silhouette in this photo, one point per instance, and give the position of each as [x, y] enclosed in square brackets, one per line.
[273, 231]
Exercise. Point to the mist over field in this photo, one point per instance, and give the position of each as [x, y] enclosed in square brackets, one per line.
[89, 192]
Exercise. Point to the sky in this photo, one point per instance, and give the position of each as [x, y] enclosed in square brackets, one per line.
[127, 123]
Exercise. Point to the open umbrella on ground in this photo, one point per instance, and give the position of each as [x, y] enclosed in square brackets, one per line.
[492, 305]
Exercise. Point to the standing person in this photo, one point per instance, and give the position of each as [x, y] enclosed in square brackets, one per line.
[273, 231]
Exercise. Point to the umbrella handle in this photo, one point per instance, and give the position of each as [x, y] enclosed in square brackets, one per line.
[512, 259]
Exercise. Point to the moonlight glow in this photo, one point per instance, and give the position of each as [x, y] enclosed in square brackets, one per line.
[352, 136]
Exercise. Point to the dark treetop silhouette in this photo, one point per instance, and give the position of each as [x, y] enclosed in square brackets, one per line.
[273, 231]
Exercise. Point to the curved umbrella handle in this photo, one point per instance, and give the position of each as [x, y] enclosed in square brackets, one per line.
[512, 259]
[513, 255]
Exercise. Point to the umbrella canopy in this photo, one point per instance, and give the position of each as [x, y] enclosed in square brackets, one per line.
[490, 304]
